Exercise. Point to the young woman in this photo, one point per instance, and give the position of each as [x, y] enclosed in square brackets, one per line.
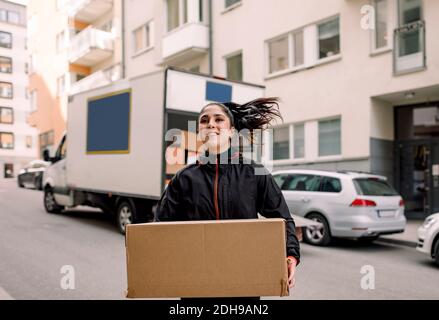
[221, 185]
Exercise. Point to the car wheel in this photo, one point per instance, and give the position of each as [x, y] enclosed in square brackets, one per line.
[318, 236]
[436, 253]
[125, 215]
[20, 184]
[50, 203]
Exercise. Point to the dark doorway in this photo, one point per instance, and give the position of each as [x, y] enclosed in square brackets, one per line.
[417, 158]
[9, 170]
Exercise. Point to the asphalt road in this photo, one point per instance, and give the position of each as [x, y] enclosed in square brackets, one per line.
[35, 246]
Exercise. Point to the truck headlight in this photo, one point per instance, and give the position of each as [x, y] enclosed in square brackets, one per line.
[429, 221]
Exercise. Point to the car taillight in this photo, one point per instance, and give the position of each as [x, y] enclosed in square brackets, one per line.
[401, 203]
[363, 203]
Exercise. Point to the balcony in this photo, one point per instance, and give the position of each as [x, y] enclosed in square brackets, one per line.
[409, 53]
[185, 43]
[87, 10]
[97, 79]
[91, 46]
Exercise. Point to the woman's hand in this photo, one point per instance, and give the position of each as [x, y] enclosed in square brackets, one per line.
[291, 266]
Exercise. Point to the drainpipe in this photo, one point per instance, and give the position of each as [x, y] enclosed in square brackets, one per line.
[123, 40]
[210, 39]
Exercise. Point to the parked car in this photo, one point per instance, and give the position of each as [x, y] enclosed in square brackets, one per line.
[428, 237]
[347, 204]
[32, 174]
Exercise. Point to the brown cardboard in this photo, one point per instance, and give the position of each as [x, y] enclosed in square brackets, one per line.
[228, 258]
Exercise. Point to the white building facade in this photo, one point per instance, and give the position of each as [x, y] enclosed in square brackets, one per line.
[18, 141]
[358, 79]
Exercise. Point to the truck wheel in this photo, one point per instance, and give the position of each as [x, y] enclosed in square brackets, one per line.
[50, 203]
[318, 236]
[125, 215]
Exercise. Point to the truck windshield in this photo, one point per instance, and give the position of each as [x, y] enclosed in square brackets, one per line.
[374, 187]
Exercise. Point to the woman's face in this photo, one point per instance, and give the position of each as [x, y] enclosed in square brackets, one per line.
[215, 128]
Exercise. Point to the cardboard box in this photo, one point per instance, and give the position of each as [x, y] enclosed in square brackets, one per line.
[228, 258]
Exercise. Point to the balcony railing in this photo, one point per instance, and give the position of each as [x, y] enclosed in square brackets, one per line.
[97, 79]
[91, 46]
[87, 10]
[186, 42]
[409, 44]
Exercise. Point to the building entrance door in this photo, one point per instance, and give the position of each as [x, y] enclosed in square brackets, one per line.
[417, 176]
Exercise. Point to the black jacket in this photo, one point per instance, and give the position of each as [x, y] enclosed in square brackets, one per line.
[209, 191]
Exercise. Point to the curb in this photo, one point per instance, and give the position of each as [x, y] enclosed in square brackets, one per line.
[406, 243]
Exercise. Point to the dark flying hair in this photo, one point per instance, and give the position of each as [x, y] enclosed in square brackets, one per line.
[256, 114]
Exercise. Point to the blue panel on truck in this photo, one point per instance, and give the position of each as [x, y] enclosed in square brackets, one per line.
[218, 92]
[108, 123]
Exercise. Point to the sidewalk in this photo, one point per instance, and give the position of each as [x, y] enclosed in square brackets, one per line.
[408, 238]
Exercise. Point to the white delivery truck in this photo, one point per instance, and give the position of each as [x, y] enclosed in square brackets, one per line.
[113, 154]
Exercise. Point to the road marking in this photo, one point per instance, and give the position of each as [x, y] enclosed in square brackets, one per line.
[4, 295]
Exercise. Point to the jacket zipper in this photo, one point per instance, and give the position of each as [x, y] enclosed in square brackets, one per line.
[215, 200]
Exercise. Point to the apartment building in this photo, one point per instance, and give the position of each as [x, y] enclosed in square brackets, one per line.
[74, 45]
[358, 79]
[18, 143]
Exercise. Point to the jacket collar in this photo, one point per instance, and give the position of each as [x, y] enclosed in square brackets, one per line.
[230, 156]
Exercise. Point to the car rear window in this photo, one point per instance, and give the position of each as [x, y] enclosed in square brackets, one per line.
[374, 187]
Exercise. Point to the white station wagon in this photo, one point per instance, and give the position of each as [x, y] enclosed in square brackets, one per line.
[347, 204]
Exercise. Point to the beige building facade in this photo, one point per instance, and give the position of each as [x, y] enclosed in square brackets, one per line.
[74, 45]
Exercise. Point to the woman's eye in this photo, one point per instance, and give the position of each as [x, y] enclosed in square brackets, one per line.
[219, 120]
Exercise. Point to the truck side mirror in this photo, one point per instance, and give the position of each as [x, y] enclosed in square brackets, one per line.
[46, 155]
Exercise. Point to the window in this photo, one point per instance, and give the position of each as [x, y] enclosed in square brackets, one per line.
[281, 143]
[331, 185]
[299, 141]
[286, 52]
[229, 3]
[278, 52]
[303, 182]
[143, 37]
[13, 17]
[61, 41]
[195, 69]
[6, 140]
[28, 142]
[6, 115]
[234, 67]
[32, 63]
[381, 35]
[280, 179]
[3, 15]
[5, 39]
[5, 65]
[61, 85]
[329, 138]
[6, 90]
[173, 14]
[299, 58]
[374, 187]
[46, 140]
[33, 100]
[108, 26]
[410, 11]
[329, 38]
[9, 16]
